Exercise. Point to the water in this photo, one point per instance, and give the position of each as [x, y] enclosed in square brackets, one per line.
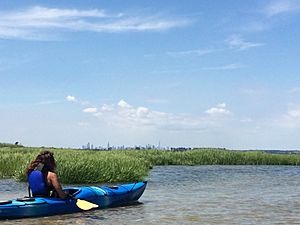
[196, 195]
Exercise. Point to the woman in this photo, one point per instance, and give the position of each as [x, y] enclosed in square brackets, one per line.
[43, 180]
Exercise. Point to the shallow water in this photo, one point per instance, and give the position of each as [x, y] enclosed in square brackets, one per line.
[196, 195]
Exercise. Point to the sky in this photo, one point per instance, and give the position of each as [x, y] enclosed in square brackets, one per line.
[194, 73]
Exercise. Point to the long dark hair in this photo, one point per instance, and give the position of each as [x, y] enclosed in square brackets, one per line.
[46, 158]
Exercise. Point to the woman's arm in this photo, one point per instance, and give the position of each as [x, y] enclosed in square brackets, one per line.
[53, 179]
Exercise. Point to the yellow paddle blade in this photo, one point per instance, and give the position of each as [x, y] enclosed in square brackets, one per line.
[85, 205]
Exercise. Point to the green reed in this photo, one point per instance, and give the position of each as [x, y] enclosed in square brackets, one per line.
[76, 166]
[82, 166]
[217, 157]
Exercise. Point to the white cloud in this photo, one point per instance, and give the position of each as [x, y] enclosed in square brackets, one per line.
[236, 42]
[197, 52]
[282, 7]
[291, 119]
[90, 110]
[254, 91]
[40, 13]
[142, 112]
[124, 115]
[123, 104]
[40, 23]
[270, 15]
[232, 66]
[106, 107]
[126, 124]
[256, 26]
[71, 98]
[167, 71]
[294, 113]
[219, 110]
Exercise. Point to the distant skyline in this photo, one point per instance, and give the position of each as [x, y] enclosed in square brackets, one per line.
[195, 73]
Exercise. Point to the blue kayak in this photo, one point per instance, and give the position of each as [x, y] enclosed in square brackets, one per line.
[103, 196]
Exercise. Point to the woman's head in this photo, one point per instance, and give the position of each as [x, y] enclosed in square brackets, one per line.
[46, 158]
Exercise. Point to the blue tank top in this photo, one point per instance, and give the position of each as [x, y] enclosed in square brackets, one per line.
[37, 183]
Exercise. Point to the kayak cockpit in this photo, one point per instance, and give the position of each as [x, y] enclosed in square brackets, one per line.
[72, 191]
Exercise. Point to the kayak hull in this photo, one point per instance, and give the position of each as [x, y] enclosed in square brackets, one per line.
[103, 196]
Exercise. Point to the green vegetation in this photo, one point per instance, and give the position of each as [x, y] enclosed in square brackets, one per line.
[76, 166]
[82, 166]
[206, 156]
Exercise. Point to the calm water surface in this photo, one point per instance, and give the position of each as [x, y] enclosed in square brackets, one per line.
[196, 195]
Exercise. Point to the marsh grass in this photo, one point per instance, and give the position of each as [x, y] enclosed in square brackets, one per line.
[215, 157]
[78, 166]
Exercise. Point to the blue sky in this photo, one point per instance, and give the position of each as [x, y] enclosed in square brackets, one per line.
[196, 73]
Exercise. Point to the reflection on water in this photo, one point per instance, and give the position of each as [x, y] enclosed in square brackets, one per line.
[196, 195]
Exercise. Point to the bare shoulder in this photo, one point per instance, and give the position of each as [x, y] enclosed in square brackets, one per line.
[52, 175]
